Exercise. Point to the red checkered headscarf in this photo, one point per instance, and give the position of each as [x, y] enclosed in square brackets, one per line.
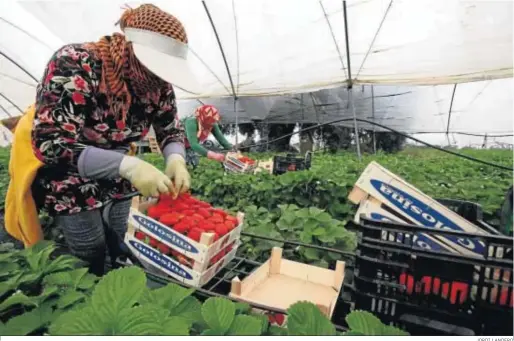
[207, 116]
[120, 65]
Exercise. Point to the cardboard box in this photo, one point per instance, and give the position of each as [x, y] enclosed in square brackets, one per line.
[153, 259]
[201, 252]
[279, 283]
[373, 209]
[409, 202]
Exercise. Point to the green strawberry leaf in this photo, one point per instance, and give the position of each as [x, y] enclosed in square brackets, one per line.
[18, 298]
[244, 325]
[176, 326]
[135, 321]
[117, 290]
[28, 322]
[70, 298]
[219, 314]
[364, 322]
[78, 322]
[304, 318]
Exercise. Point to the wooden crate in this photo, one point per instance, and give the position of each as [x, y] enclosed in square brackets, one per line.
[154, 146]
[279, 283]
[201, 252]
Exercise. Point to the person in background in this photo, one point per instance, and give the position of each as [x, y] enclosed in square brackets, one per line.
[70, 150]
[198, 128]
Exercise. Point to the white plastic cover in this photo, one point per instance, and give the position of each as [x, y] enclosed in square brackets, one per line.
[286, 47]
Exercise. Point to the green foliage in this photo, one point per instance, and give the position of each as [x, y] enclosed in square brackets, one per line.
[306, 319]
[289, 222]
[63, 300]
[327, 184]
[172, 310]
[36, 287]
[364, 323]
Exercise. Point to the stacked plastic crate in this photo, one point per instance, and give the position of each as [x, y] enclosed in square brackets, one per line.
[421, 265]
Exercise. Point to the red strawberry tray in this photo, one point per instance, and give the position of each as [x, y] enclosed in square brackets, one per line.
[238, 163]
[186, 229]
[278, 283]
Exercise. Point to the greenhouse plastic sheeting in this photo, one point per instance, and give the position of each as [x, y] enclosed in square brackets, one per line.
[478, 107]
[287, 47]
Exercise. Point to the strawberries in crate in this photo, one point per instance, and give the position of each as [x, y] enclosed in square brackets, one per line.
[247, 160]
[187, 214]
[190, 217]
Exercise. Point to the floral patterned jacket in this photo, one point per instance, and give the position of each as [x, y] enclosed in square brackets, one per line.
[71, 115]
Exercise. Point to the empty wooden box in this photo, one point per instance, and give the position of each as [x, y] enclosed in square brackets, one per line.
[279, 283]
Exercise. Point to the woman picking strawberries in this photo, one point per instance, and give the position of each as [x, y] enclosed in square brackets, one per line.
[93, 101]
[198, 128]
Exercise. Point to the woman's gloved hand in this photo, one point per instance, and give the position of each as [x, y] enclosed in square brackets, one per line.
[147, 179]
[176, 170]
[216, 156]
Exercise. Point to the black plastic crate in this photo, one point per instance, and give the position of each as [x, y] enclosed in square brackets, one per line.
[291, 163]
[465, 291]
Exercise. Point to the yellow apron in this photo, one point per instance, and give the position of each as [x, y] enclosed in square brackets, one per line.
[21, 216]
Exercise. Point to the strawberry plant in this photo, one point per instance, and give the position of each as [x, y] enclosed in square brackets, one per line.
[122, 305]
[36, 286]
[327, 183]
[290, 222]
[363, 323]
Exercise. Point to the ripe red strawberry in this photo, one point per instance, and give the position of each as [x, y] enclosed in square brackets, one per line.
[221, 229]
[204, 204]
[279, 319]
[183, 260]
[139, 235]
[181, 227]
[170, 219]
[197, 216]
[154, 242]
[188, 212]
[185, 196]
[195, 233]
[204, 213]
[231, 218]
[164, 248]
[156, 211]
[230, 225]
[217, 211]
[179, 205]
[216, 218]
[207, 225]
[166, 199]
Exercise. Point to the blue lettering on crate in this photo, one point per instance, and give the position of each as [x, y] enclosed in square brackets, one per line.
[165, 234]
[420, 239]
[157, 258]
[427, 216]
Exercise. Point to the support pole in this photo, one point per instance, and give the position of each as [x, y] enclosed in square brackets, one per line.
[19, 66]
[373, 116]
[236, 110]
[350, 82]
[226, 65]
[450, 115]
[5, 110]
[11, 102]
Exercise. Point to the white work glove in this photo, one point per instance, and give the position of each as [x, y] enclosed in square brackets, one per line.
[147, 179]
[176, 170]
